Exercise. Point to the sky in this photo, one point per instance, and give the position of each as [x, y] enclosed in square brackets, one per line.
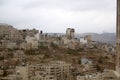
[85, 16]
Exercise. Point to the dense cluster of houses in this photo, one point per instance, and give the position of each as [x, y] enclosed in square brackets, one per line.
[20, 40]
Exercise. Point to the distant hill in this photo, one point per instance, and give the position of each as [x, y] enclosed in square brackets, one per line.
[109, 38]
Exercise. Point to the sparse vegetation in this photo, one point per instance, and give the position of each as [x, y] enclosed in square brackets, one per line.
[54, 46]
[80, 49]
[30, 52]
[1, 57]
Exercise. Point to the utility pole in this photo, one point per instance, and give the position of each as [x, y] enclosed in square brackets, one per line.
[118, 38]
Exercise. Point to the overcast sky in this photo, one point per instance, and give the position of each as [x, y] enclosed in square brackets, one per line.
[56, 15]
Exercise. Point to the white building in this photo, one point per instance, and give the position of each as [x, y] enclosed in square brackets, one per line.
[83, 40]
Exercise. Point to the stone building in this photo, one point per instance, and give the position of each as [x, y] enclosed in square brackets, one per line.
[83, 40]
[106, 75]
[54, 70]
[71, 43]
[107, 48]
[59, 69]
[32, 41]
[27, 32]
[9, 33]
[88, 38]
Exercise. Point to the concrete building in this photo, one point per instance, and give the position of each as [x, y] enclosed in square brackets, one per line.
[32, 41]
[70, 43]
[106, 75]
[107, 48]
[54, 70]
[88, 38]
[47, 40]
[59, 69]
[83, 40]
[70, 33]
[10, 33]
[23, 72]
[73, 44]
[27, 32]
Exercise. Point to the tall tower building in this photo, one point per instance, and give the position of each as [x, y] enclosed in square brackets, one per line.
[118, 38]
[70, 33]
